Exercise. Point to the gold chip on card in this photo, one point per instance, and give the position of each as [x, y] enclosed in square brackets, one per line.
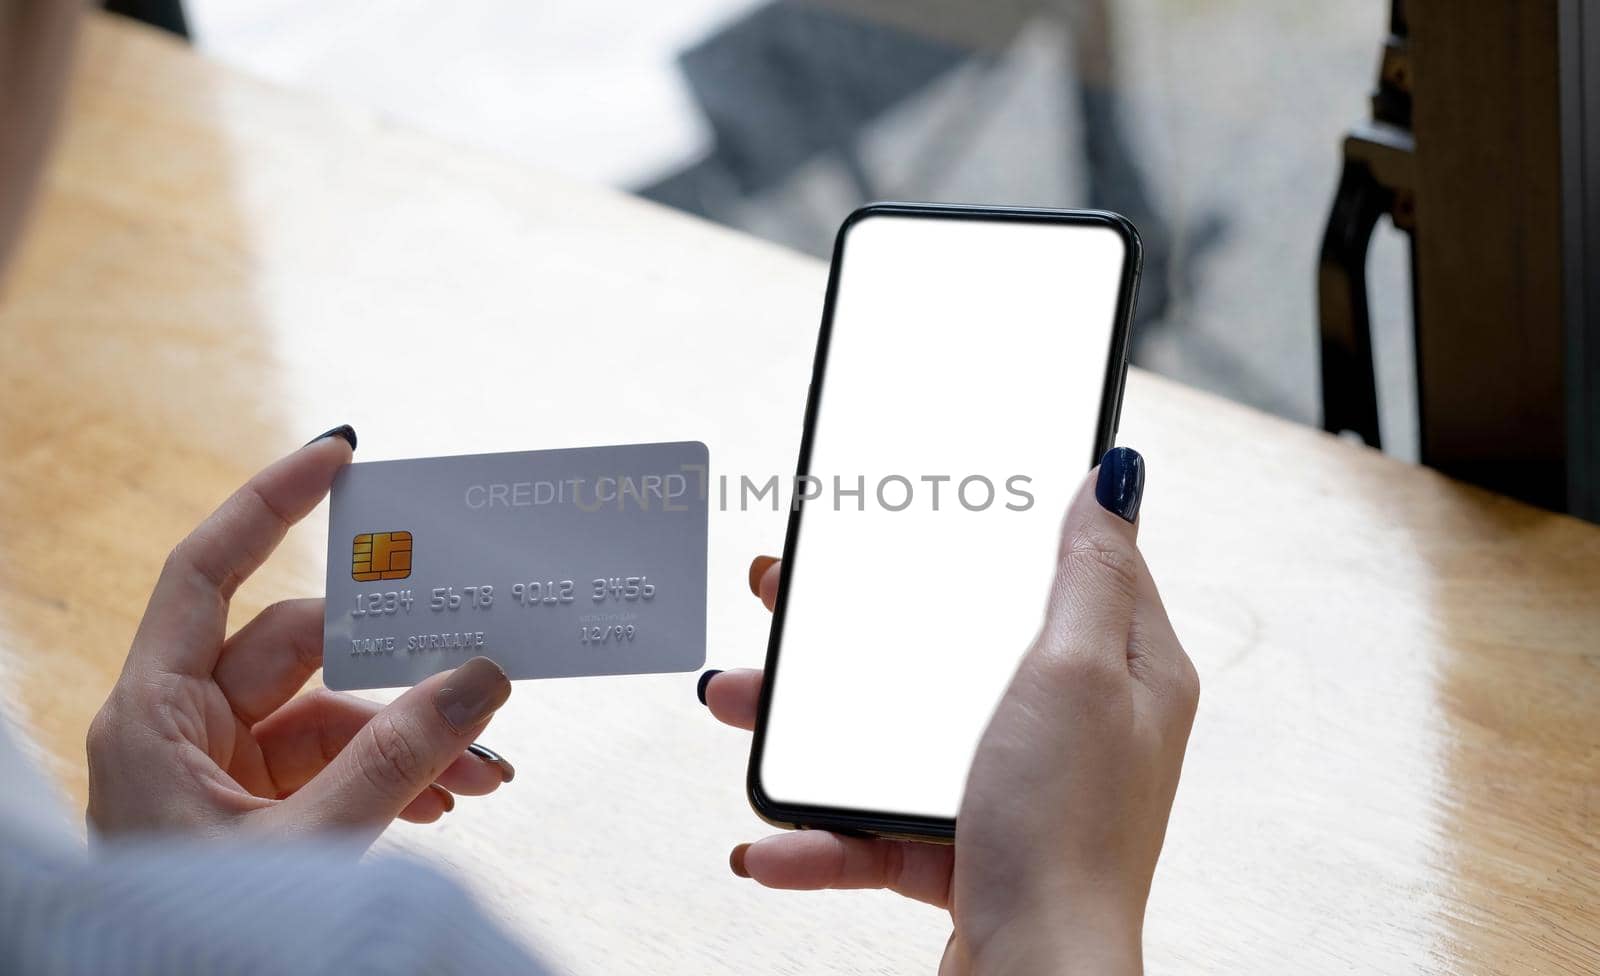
[381, 556]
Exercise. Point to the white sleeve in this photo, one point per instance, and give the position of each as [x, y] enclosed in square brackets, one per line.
[184, 906]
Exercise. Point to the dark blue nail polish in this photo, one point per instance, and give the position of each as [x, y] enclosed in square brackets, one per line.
[343, 430]
[1120, 486]
[488, 755]
[705, 679]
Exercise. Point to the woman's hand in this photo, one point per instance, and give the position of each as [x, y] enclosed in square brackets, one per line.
[1067, 800]
[205, 734]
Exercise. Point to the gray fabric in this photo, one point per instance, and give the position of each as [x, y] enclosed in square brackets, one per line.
[180, 906]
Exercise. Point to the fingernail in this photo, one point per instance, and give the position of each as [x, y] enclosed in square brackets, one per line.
[736, 860]
[705, 679]
[343, 430]
[445, 796]
[1120, 486]
[508, 772]
[472, 693]
[758, 569]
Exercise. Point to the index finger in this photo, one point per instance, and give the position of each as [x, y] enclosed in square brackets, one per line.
[187, 616]
[764, 574]
[732, 697]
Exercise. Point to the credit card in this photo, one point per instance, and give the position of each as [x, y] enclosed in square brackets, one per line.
[555, 564]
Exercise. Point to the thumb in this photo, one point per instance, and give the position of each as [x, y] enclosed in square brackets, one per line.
[1099, 571]
[400, 751]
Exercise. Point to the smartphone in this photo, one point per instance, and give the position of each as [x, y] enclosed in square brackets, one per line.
[968, 373]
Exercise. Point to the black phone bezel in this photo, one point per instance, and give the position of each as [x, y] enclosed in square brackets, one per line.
[883, 823]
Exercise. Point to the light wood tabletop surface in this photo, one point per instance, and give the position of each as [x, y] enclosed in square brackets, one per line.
[1396, 763]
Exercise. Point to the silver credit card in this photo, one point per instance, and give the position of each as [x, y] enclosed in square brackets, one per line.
[555, 564]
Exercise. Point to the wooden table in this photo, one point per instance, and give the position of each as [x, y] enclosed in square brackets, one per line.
[1396, 765]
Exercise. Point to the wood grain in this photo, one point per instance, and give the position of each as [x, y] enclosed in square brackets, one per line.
[1396, 765]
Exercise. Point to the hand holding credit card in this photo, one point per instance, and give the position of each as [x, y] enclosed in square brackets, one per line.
[555, 564]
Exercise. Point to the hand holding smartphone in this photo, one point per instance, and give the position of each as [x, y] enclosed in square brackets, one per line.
[969, 370]
[1023, 679]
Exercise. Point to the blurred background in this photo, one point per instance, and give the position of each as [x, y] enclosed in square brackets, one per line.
[1215, 125]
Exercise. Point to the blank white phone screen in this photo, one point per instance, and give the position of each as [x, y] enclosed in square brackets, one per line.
[961, 396]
